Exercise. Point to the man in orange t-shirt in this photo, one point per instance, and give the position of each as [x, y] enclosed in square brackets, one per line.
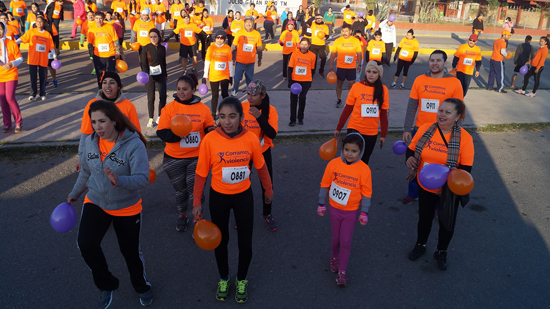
[247, 43]
[348, 52]
[497, 63]
[104, 40]
[188, 39]
[467, 59]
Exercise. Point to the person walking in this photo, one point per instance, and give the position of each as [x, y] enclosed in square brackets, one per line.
[537, 65]
[348, 52]
[300, 17]
[451, 146]
[371, 21]
[79, 11]
[270, 22]
[159, 13]
[289, 18]
[300, 71]
[188, 39]
[349, 16]
[497, 63]
[175, 14]
[12, 32]
[140, 30]
[318, 45]
[19, 10]
[389, 36]
[10, 58]
[477, 25]
[467, 59]
[289, 40]
[523, 55]
[218, 69]
[153, 62]
[226, 25]
[227, 152]
[329, 19]
[31, 16]
[407, 51]
[508, 25]
[55, 13]
[205, 37]
[181, 153]
[115, 170]
[248, 43]
[104, 40]
[376, 49]
[89, 23]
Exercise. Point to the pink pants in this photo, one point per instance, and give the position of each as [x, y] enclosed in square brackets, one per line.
[9, 103]
[343, 223]
[75, 27]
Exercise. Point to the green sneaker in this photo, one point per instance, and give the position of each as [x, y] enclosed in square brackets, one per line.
[93, 72]
[223, 290]
[241, 296]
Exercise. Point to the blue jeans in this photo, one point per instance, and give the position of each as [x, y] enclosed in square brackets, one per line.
[413, 186]
[240, 68]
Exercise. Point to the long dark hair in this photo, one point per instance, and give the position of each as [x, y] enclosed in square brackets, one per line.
[111, 110]
[378, 94]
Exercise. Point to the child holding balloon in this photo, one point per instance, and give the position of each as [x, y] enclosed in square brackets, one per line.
[115, 169]
[347, 181]
[181, 152]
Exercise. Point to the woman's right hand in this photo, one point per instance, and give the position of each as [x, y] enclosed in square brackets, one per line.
[336, 133]
[412, 163]
[78, 165]
[71, 200]
[196, 212]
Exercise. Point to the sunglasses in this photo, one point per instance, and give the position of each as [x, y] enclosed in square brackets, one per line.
[471, 40]
[220, 37]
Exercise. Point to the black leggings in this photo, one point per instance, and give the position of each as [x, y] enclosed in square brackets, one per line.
[286, 58]
[370, 142]
[537, 78]
[269, 163]
[427, 203]
[205, 42]
[243, 211]
[159, 82]
[402, 65]
[268, 25]
[215, 86]
[389, 50]
[294, 102]
[320, 51]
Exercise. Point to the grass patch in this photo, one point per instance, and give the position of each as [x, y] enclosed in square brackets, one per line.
[513, 127]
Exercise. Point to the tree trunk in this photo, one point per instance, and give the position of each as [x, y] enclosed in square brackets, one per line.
[541, 19]
[416, 11]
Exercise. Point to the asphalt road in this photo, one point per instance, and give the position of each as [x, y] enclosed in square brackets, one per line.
[499, 257]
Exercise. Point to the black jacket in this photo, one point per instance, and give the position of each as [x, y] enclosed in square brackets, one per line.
[152, 55]
[300, 16]
[49, 12]
[359, 25]
[477, 24]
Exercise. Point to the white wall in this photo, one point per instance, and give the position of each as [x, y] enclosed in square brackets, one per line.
[223, 6]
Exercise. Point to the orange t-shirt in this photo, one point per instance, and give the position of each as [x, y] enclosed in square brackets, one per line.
[201, 118]
[86, 26]
[315, 29]
[348, 16]
[252, 13]
[229, 159]
[290, 41]
[126, 107]
[365, 116]
[118, 7]
[467, 57]
[150, 7]
[270, 16]
[220, 59]
[302, 64]
[208, 25]
[198, 10]
[159, 8]
[31, 19]
[175, 9]
[430, 92]
[103, 40]
[57, 10]
[347, 50]
[236, 26]
[435, 150]
[497, 46]
[91, 7]
[540, 57]
[251, 124]
[187, 33]
[141, 28]
[12, 32]
[40, 43]
[13, 53]
[348, 183]
[247, 42]
[408, 47]
[376, 49]
[18, 8]
[14, 23]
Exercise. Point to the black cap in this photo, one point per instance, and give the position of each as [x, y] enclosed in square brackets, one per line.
[112, 75]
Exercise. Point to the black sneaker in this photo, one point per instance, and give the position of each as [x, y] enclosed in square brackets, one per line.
[300, 122]
[417, 252]
[441, 258]
[502, 91]
[146, 299]
[183, 223]
[339, 103]
[292, 123]
[105, 299]
[270, 222]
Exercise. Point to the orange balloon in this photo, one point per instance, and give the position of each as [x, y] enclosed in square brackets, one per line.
[328, 150]
[152, 175]
[79, 21]
[460, 182]
[452, 72]
[135, 46]
[181, 125]
[172, 24]
[331, 77]
[321, 35]
[300, 31]
[261, 15]
[121, 66]
[509, 56]
[207, 235]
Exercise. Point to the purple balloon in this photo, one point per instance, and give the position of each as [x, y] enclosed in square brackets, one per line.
[203, 89]
[524, 69]
[56, 65]
[433, 176]
[165, 44]
[142, 78]
[63, 218]
[399, 147]
[391, 17]
[361, 14]
[296, 88]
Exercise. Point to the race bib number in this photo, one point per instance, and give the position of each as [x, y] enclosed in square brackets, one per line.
[300, 71]
[236, 30]
[20, 10]
[289, 44]
[468, 61]
[55, 12]
[156, 70]
[429, 105]
[50, 55]
[248, 48]
[220, 65]
[133, 12]
[308, 30]
[235, 174]
[404, 53]
[143, 33]
[177, 13]
[348, 16]
[159, 12]
[339, 195]
[348, 59]
[40, 48]
[188, 34]
[192, 140]
[376, 51]
[119, 10]
[316, 31]
[103, 48]
[369, 110]
[206, 28]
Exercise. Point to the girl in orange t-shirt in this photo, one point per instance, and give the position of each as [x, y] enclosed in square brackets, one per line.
[181, 153]
[133, 9]
[300, 67]
[227, 152]
[10, 58]
[347, 182]
[261, 118]
[368, 105]
[115, 170]
[443, 142]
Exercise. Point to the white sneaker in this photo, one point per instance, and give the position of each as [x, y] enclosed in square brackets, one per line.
[31, 98]
[402, 86]
[393, 85]
[530, 95]
[233, 93]
[519, 91]
[158, 119]
[151, 123]
[43, 98]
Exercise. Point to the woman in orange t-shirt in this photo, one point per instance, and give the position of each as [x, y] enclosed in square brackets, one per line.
[205, 37]
[227, 152]
[10, 58]
[181, 153]
[537, 65]
[133, 9]
[443, 142]
[218, 69]
[91, 6]
[368, 105]
[115, 170]
[270, 22]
